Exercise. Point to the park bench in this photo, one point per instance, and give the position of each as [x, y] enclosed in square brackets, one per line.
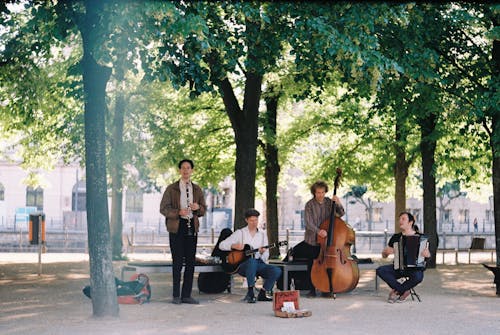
[299, 266]
[286, 267]
[130, 245]
[477, 245]
[165, 267]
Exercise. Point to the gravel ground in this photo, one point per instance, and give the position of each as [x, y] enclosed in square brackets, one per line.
[456, 299]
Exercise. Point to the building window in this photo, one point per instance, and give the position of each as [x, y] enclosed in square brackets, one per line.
[133, 201]
[79, 197]
[447, 215]
[489, 215]
[377, 214]
[34, 197]
[2, 192]
[463, 216]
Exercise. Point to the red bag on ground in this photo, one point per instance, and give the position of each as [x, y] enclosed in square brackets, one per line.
[135, 291]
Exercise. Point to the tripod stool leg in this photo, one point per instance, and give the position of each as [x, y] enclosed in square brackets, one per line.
[414, 294]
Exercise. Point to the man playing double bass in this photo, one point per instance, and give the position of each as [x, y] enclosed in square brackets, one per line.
[317, 210]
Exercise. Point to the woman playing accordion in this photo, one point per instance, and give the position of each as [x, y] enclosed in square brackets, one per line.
[410, 269]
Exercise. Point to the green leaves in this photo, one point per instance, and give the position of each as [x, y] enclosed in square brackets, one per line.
[195, 128]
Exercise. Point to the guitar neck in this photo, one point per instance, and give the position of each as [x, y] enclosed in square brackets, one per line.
[253, 251]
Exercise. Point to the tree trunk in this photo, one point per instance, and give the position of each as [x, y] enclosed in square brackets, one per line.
[495, 145]
[245, 126]
[95, 78]
[400, 172]
[272, 170]
[496, 182]
[116, 160]
[428, 149]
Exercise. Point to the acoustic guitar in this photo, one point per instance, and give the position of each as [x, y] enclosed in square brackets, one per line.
[234, 258]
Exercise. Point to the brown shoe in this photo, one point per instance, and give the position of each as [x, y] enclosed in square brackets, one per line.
[393, 297]
[403, 297]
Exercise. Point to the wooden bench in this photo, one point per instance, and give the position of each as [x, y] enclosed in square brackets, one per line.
[130, 245]
[299, 266]
[286, 267]
[165, 267]
[477, 245]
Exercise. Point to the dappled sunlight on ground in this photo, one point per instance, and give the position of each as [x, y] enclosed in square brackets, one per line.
[455, 299]
[465, 279]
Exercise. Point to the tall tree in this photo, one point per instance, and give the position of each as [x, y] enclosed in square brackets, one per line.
[95, 79]
[272, 167]
[63, 21]
[495, 132]
[428, 121]
[473, 52]
[238, 43]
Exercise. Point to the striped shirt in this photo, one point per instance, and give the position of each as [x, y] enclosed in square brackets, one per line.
[315, 214]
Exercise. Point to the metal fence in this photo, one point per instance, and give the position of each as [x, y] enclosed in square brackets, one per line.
[66, 240]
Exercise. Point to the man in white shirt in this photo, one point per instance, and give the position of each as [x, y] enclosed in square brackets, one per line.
[255, 265]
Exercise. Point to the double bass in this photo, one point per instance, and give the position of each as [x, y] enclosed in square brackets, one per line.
[334, 270]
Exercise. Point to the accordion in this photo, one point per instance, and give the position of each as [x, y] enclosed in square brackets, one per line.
[408, 252]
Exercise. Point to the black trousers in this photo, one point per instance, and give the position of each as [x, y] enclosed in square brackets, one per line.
[304, 250]
[183, 249]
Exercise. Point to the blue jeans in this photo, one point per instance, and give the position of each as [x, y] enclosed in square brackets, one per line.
[391, 276]
[256, 267]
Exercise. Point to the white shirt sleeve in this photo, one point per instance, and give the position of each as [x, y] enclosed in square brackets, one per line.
[236, 237]
[265, 255]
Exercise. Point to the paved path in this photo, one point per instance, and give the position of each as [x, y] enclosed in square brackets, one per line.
[455, 300]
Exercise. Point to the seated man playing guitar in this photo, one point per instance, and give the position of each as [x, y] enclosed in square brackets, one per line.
[250, 237]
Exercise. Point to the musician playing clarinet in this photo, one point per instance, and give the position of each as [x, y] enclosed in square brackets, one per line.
[257, 264]
[401, 291]
[182, 204]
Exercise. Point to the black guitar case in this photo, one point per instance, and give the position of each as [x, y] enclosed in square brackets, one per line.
[300, 279]
[216, 282]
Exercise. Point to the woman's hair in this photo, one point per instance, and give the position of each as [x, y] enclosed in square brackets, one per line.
[318, 184]
[411, 219]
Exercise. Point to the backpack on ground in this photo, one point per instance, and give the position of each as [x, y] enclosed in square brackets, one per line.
[135, 291]
[216, 282]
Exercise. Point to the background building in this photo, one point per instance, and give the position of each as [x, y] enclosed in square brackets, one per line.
[61, 196]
